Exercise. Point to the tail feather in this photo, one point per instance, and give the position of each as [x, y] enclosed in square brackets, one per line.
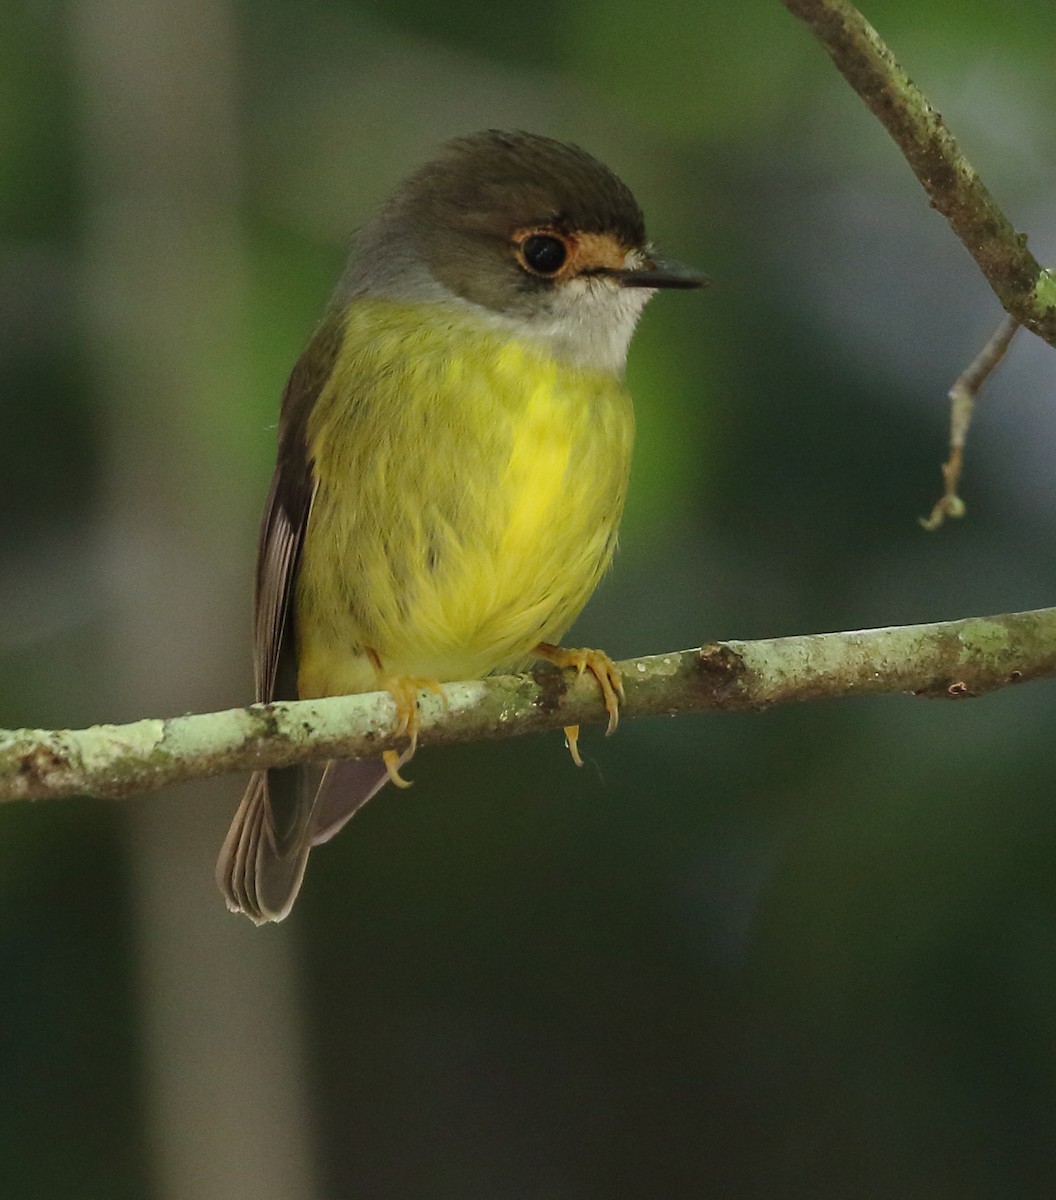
[258, 872]
[347, 785]
[261, 867]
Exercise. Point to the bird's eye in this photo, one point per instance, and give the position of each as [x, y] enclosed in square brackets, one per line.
[543, 253]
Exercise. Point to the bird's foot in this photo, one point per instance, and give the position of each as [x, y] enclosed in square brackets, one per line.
[404, 691]
[604, 670]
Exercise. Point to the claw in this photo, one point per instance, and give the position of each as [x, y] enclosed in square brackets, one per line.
[572, 742]
[604, 671]
[391, 759]
[404, 691]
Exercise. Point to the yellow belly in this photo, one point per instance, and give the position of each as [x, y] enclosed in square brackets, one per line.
[469, 489]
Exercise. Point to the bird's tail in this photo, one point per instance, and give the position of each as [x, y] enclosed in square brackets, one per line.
[284, 814]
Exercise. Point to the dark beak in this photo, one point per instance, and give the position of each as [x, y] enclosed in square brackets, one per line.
[659, 273]
[654, 273]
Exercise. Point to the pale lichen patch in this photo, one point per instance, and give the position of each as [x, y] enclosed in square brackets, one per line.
[101, 745]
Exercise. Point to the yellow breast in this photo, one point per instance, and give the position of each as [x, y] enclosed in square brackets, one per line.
[469, 489]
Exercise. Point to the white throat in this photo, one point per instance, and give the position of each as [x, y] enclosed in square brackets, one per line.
[590, 323]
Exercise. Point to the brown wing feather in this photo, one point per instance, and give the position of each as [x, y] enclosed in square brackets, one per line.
[281, 538]
[262, 860]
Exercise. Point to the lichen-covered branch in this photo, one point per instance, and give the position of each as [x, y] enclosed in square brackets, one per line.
[953, 659]
[1026, 290]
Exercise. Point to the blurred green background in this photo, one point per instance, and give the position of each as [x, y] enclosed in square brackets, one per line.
[805, 954]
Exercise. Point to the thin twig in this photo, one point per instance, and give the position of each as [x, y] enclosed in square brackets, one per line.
[962, 396]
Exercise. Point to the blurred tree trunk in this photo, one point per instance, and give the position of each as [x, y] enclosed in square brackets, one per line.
[163, 297]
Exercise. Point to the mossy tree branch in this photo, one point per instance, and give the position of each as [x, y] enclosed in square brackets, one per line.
[1025, 289]
[952, 659]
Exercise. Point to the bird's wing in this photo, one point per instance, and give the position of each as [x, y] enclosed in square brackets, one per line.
[262, 860]
[286, 514]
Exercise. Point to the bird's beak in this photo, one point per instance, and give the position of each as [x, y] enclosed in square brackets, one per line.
[660, 273]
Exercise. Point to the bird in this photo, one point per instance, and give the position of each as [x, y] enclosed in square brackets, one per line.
[454, 447]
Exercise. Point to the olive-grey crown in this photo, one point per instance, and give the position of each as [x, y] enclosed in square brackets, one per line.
[495, 182]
